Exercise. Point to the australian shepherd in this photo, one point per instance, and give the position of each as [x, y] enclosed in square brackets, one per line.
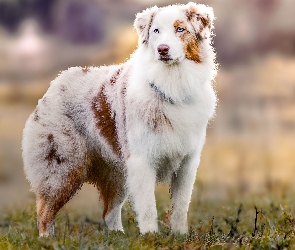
[126, 127]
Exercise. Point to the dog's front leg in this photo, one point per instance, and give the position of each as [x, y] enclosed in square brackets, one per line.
[181, 188]
[141, 181]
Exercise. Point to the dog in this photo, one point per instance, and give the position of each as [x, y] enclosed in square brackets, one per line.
[126, 127]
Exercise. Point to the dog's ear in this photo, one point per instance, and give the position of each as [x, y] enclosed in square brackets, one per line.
[143, 22]
[201, 17]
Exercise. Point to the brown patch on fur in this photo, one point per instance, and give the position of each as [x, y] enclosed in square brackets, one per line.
[105, 120]
[66, 132]
[192, 51]
[145, 41]
[190, 43]
[157, 119]
[205, 21]
[69, 116]
[86, 69]
[36, 116]
[160, 120]
[108, 179]
[48, 203]
[63, 88]
[115, 76]
[191, 12]
[50, 138]
[53, 152]
[43, 219]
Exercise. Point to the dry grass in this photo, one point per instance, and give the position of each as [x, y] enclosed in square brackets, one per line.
[255, 223]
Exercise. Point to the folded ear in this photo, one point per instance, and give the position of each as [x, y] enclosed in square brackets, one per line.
[201, 17]
[143, 22]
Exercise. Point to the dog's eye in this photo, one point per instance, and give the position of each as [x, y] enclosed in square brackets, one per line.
[156, 31]
[179, 29]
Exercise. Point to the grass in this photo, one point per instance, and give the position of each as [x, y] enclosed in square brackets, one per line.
[256, 224]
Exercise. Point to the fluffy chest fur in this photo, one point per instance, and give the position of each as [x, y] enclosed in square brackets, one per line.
[167, 111]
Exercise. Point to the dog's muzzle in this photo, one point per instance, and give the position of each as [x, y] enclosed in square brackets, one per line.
[163, 50]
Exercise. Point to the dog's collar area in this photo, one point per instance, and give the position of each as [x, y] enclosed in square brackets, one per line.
[162, 95]
[187, 100]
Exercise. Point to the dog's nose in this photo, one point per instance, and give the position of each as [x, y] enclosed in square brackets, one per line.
[163, 49]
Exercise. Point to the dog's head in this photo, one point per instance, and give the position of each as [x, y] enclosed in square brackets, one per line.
[175, 33]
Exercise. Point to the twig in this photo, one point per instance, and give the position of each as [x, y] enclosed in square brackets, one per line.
[255, 222]
[212, 224]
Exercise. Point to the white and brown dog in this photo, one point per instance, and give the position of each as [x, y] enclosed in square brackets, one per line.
[126, 127]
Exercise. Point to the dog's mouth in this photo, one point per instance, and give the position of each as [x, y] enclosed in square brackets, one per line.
[168, 60]
[165, 58]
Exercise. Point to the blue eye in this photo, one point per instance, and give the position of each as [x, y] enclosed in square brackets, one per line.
[156, 31]
[179, 29]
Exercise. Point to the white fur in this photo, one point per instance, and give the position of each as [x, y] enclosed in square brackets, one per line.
[169, 154]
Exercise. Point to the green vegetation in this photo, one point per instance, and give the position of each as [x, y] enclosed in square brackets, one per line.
[255, 223]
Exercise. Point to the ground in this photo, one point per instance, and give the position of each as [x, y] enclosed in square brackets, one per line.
[260, 222]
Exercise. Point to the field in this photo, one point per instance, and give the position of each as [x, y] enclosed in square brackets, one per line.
[244, 191]
[255, 223]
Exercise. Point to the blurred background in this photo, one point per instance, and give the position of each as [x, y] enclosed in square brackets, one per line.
[250, 146]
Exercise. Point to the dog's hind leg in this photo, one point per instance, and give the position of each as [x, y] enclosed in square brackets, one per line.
[110, 182]
[113, 217]
[45, 217]
[50, 202]
[113, 194]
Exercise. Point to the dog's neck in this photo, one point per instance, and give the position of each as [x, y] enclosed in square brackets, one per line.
[161, 94]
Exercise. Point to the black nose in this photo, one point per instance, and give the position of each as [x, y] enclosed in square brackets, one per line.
[163, 49]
